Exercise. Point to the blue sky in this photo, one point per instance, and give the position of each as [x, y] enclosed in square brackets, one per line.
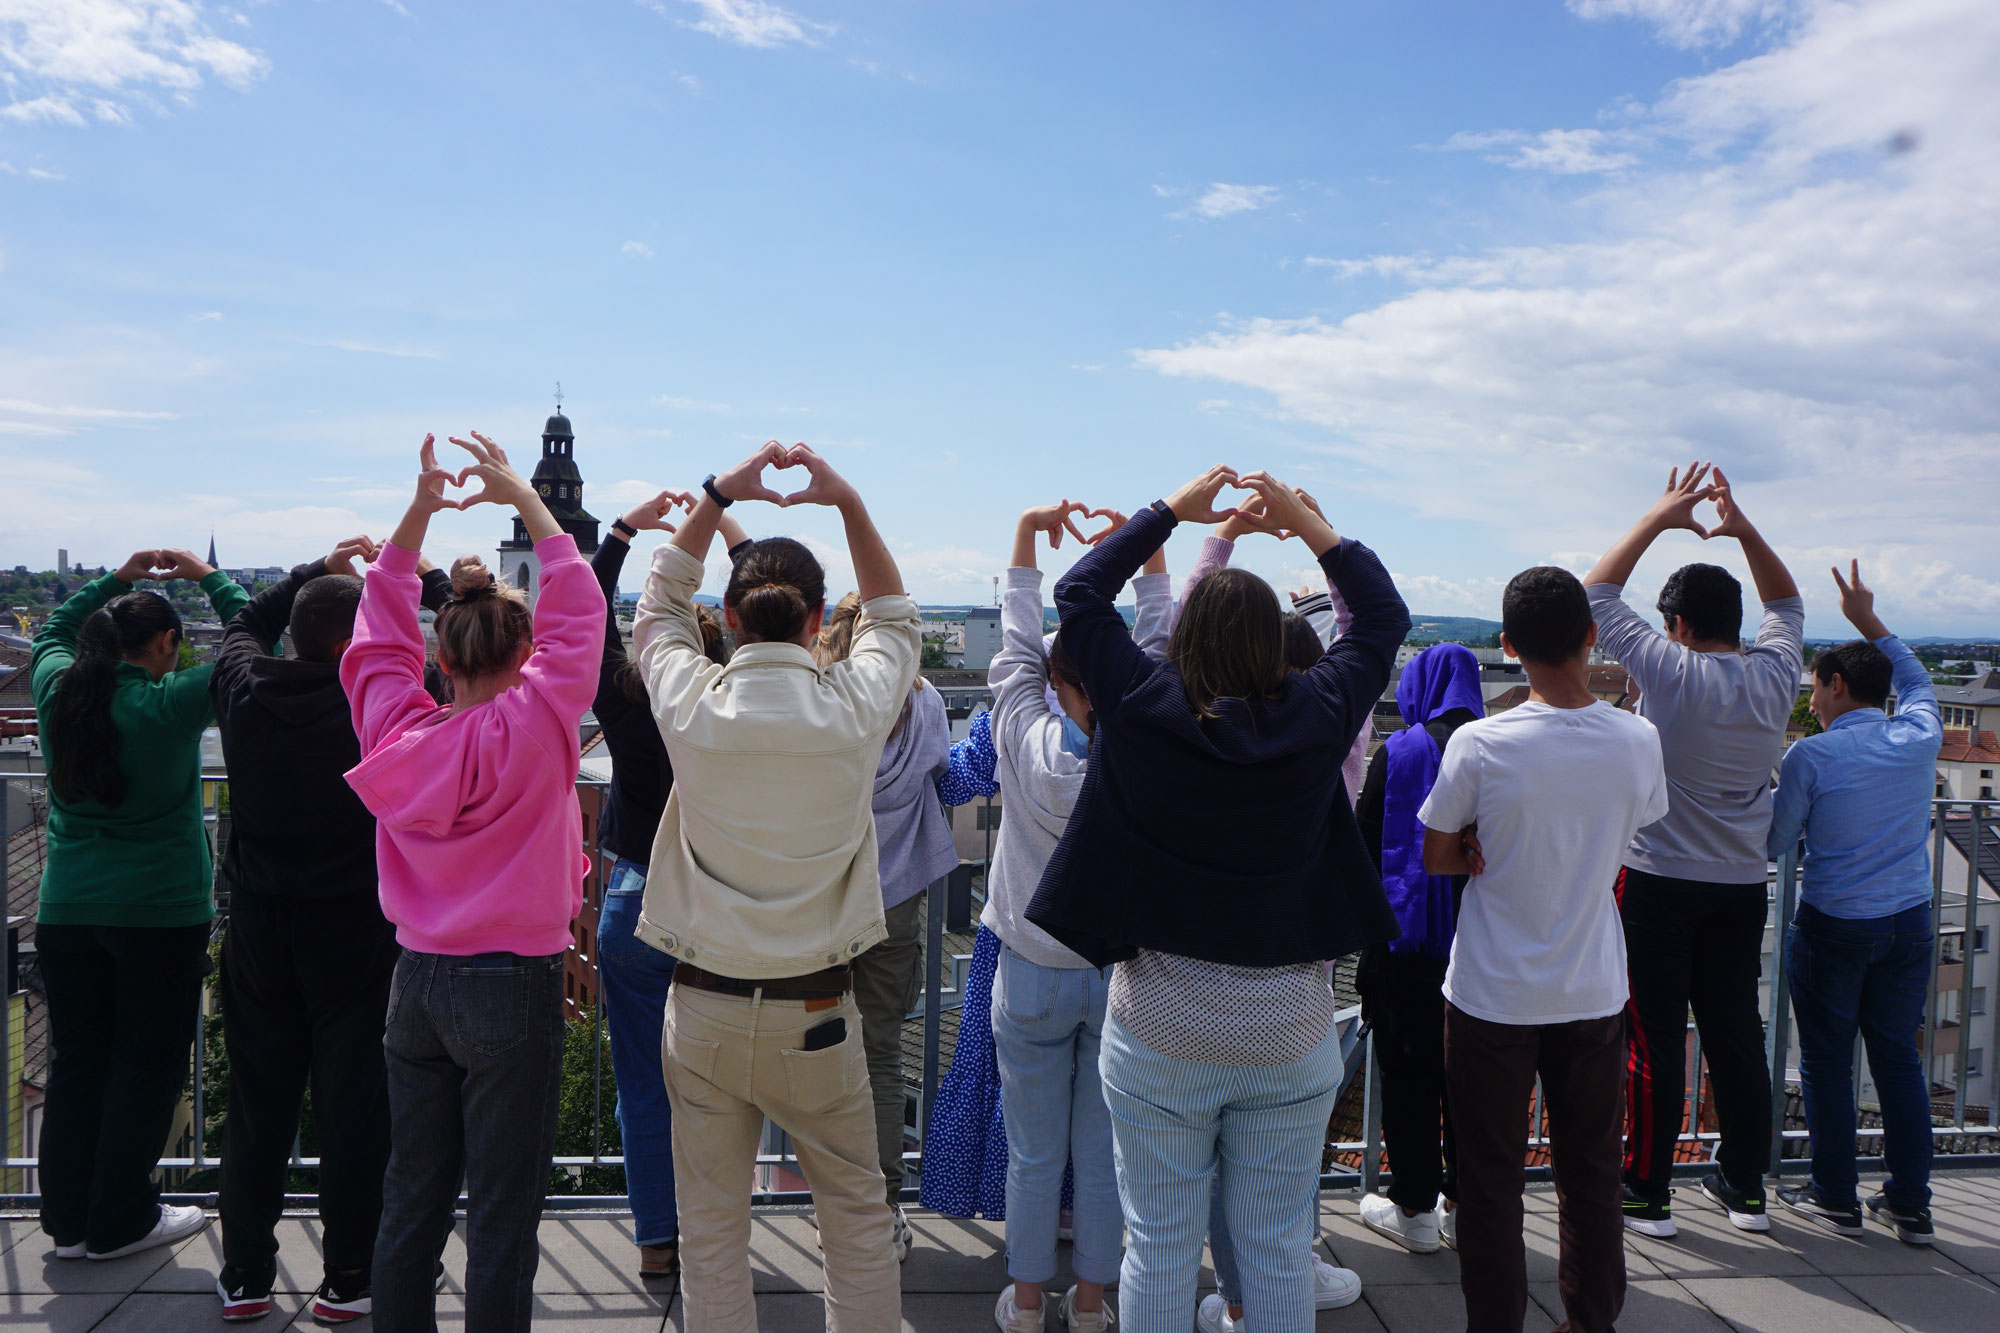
[1474, 274]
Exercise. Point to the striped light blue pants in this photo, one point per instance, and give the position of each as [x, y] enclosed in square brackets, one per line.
[1172, 1122]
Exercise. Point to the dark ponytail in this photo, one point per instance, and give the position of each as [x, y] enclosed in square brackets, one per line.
[84, 744]
[774, 590]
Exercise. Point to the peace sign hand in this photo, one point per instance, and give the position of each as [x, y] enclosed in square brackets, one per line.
[1857, 603]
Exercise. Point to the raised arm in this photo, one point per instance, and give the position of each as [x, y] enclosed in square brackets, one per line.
[1916, 696]
[875, 572]
[647, 515]
[1774, 582]
[970, 771]
[1019, 672]
[186, 691]
[1674, 509]
[55, 646]
[258, 628]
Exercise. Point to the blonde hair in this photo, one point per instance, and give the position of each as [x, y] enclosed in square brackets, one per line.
[483, 628]
[836, 631]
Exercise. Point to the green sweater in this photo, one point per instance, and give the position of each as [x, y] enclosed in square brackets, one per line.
[145, 863]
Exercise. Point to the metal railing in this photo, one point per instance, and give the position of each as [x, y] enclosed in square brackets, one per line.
[951, 905]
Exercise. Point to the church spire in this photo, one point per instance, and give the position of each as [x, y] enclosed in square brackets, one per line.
[211, 548]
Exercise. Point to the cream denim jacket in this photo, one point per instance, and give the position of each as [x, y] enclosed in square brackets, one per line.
[765, 862]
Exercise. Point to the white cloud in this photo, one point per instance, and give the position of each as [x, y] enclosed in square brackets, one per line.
[637, 249]
[1692, 23]
[27, 407]
[206, 316]
[1221, 201]
[1772, 288]
[71, 52]
[373, 349]
[32, 173]
[1564, 152]
[680, 404]
[756, 23]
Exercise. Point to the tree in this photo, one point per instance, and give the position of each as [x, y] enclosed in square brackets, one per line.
[933, 656]
[579, 1115]
[1802, 717]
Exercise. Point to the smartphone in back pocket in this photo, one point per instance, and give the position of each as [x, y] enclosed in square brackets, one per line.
[827, 1034]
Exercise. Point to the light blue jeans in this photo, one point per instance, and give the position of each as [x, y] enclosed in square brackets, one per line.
[1047, 1025]
[635, 977]
[1175, 1122]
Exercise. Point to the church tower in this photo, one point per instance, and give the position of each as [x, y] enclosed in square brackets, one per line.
[561, 488]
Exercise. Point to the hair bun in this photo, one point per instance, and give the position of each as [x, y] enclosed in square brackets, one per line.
[470, 578]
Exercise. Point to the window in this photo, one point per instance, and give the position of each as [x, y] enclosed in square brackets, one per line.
[1973, 1062]
[1978, 1000]
[1978, 937]
[1985, 793]
[1985, 772]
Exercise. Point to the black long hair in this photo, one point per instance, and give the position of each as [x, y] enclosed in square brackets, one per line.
[84, 749]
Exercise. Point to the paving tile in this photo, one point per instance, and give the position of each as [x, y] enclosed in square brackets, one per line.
[15, 1230]
[31, 1266]
[197, 1262]
[1968, 1230]
[1428, 1309]
[593, 1256]
[180, 1312]
[1934, 1303]
[1786, 1304]
[1876, 1251]
[1708, 1246]
[957, 1254]
[607, 1313]
[50, 1313]
[1654, 1304]
[1380, 1261]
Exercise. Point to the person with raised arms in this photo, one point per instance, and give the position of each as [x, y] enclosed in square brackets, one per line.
[764, 885]
[479, 845]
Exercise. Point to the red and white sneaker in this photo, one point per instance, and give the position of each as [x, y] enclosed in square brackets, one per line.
[342, 1300]
[242, 1300]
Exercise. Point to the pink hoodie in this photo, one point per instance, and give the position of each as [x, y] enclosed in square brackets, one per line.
[479, 843]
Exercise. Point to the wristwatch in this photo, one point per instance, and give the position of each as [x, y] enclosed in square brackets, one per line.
[1165, 509]
[708, 484]
[619, 525]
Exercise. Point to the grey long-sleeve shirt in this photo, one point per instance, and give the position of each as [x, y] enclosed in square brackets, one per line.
[1721, 719]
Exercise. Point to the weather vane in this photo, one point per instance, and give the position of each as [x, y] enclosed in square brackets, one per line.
[559, 395]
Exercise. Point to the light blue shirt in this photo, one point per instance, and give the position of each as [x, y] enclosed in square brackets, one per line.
[1860, 793]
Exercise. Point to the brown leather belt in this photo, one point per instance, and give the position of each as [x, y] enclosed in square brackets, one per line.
[829, 984]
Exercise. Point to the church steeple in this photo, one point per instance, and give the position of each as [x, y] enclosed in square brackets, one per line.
[211, 548]
[560, 485]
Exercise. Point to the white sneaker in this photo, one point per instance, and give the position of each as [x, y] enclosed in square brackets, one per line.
[1418, 1235]
[1448, 1226]
[176, 1223]
[1213, 1316]
[76, 1251]
[1084, 1321]
[900, 1235]
[1013, 1319]
[1334, 1287]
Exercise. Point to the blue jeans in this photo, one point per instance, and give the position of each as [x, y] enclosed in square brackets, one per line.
[635, 977]
[1047, 1025]
[1176, 1122]
[1868, 976]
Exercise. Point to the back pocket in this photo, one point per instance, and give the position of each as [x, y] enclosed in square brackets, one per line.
[820, 1082]
[489, 1008]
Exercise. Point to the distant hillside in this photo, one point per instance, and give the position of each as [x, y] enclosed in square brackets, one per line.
[1453, 629]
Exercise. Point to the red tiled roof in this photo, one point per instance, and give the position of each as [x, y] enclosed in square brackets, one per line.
[1970, 747]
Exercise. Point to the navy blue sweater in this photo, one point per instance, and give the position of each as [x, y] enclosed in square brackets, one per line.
[1231, 839]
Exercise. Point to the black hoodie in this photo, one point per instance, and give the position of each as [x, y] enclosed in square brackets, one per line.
[296, 829]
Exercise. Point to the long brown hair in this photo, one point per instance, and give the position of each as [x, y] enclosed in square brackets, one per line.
[714, 646]
[83, 739]
[1230, 641]
[484, 627]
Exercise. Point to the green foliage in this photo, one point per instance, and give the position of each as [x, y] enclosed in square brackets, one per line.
[1802, 717]
[580, 1116]
[187, 660]
[933, 656]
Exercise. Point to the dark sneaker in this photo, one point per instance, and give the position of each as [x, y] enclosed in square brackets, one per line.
[1806, 1201]
[243, 1298]
[660, 1261]
[1649, 1217]
[1912, 1227]
[342, 1299]
[1745, 1207]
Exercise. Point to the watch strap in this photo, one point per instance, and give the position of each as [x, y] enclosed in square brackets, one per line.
[708, 484]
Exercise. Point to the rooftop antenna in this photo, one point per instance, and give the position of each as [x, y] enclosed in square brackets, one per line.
[558, 395]
[996, 590]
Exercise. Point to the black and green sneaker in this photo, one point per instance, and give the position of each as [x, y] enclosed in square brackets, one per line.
[1745, 1207]
[1912, 1226]
[1649, 1217]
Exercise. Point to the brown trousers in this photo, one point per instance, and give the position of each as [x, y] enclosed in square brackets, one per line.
[1490, 1071]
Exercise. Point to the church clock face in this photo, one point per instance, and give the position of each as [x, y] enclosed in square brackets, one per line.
[545, 490]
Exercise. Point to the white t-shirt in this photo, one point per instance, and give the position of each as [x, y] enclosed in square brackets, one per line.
[1557, 794]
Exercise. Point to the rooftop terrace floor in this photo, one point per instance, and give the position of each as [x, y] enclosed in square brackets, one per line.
[1710, 1278]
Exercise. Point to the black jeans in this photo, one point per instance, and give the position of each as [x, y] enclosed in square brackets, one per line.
[124, 1002]
[1689, 943]
[305, 985]
[475, 1072]
[1402, 1000]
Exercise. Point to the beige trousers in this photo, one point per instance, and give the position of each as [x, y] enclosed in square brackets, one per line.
[730, 1062]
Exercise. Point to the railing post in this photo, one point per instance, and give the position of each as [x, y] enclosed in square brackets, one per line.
[1781, 999]
[934, 909]
[1965, 972]
[1371, 1121]
[1937, 940]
